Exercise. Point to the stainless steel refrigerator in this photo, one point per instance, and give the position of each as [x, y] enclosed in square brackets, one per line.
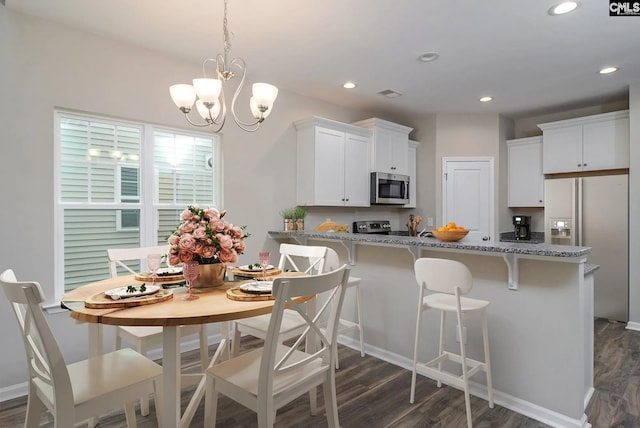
[594, 212]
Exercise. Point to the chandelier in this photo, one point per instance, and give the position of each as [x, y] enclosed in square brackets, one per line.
[208, 93]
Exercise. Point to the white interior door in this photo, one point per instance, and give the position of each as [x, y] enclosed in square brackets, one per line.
[467, 195]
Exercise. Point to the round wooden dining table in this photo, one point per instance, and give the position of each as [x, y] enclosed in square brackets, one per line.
[213, 306]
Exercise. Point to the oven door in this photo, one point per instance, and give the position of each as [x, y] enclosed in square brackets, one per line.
[389, 189]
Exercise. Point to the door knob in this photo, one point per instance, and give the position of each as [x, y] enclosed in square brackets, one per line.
[485, 238]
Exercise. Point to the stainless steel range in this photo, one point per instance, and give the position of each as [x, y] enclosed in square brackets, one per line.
[381, 227]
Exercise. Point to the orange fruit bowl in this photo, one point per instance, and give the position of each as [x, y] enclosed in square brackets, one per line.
[450, 235]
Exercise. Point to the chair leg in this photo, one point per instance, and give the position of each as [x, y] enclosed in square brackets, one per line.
[441, 342]
[487, 361]
[144, 400]
[415, 351]
[34, 410]
[266, 413]
[157, 393]
[465, 375]
[360, 329]
[118, 344]
[204, 347]
[330, 401]
[210, 403]
[130, 414]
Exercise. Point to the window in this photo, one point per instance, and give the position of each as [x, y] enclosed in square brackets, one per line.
[123, 184]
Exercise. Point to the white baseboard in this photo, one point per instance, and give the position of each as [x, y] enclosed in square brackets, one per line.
[633, 326]
[510, 402]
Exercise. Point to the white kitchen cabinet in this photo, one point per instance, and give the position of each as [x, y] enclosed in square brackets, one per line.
[526, 180]
[591, 143]
[333, 163]
[413, 178]
[390, 146]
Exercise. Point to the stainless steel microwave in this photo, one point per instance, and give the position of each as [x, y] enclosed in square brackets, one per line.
[389, 189]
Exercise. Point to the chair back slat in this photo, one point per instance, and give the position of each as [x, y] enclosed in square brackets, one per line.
[117, 257]
[44, 359]
[292, 256]
[443, 276]
[285, 290]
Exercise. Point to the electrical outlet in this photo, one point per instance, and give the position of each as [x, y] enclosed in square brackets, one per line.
[430, 221]
[464, 335]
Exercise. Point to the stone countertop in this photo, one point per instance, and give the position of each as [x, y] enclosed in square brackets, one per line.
[518, 248]
[590, 268]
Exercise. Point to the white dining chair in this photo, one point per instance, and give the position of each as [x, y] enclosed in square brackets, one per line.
[297, 258]
[449, 280]
[144, 338]
[268, 378]
[74, 392]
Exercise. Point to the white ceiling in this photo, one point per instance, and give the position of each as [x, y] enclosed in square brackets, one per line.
[529, 61]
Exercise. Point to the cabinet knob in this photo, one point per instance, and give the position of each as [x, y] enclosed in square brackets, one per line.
[579, 164]
[347, 199]
[393, 167]
[584, 164]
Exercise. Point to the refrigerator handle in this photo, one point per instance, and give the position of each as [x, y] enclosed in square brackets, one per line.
[579, 219]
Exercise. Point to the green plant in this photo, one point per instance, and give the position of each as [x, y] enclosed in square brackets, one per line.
[300, 212]
[288, 213]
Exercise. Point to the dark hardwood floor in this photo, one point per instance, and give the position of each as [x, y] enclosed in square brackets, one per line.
[372, 393]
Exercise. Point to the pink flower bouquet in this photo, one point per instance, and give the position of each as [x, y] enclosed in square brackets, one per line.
[206, 237]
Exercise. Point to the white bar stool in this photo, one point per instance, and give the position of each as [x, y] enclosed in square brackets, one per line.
[449, 280]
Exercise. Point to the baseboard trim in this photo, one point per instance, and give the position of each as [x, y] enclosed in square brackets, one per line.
[633, 326]
[510, 402]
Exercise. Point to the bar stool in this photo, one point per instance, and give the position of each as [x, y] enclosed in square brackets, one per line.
[449, 280]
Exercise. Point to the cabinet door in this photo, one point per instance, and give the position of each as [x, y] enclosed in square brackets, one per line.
[329, 167]
[356, 171]
[605, 145]
[413, 179]
[391, 151]
[526, 180]
[562, 149]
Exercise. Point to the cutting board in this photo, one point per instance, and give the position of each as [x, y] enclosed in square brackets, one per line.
[161, 279]
[255, 274]
[102, 301]
[236, 294]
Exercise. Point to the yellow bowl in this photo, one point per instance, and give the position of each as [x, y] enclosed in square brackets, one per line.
[450, 235]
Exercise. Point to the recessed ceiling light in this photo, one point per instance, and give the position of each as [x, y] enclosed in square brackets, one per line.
[349, 85]
[564, 7]
[486, 99]
[608, 70]
[428, 57]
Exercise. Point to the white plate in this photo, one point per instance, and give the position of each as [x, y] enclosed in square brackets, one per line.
[257, 287]
[174, 270]
[121, 292]
[253, 269]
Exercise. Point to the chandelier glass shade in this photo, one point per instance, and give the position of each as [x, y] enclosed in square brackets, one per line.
[208, 93]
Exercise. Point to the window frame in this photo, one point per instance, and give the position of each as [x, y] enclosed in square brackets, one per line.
[147, 187]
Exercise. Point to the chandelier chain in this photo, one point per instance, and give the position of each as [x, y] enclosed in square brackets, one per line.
[225, 30]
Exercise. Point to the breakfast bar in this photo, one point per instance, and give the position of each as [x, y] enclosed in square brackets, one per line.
[540, 315]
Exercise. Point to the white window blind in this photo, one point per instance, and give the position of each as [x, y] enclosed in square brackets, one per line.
[122, 184]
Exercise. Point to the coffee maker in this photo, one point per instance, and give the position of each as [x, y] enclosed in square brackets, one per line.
[522, 227]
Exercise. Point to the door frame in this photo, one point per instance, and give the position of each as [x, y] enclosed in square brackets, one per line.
[492, 207]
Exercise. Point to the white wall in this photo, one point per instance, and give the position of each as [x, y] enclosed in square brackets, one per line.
[44, 66]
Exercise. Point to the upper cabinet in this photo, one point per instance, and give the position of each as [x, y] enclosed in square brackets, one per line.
[526, 180]
[591, 143]
[390, 146]
[333, 163]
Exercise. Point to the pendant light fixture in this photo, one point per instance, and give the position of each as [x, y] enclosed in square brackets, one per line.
[208, 93]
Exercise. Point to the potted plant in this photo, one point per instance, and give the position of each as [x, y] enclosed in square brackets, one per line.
[288, 218]
[299, 212]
